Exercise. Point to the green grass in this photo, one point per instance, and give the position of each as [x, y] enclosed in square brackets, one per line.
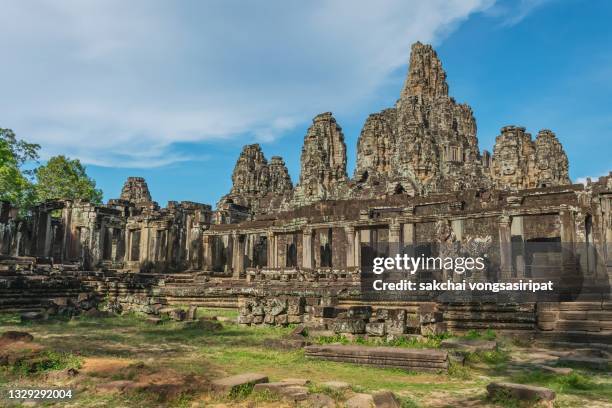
[575, 383]
[237, 349]
[404, 341]
[488, 334]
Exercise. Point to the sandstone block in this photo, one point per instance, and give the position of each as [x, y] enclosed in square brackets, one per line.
[521, 391]
[233, 384]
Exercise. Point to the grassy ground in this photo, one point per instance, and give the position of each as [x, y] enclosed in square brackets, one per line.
[127, 342]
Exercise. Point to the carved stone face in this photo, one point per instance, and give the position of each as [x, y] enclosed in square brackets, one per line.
[543, 155]
[509, 159]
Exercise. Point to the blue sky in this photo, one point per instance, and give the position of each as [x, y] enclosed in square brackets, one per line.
[172, 90]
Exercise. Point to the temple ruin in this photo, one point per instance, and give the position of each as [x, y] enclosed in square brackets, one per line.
[292, 254]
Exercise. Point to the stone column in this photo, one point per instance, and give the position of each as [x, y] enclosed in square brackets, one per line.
[144, 242]
[568, 239]
[457, 227]
[238, 255]
[517, 230]
[207, 248]
[394, 238]
[307, 248]
[349, 231]
[505, 250]
[229, 251]
[271, 250]
[409, 238]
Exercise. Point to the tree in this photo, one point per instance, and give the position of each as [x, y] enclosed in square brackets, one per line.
[63, 178]
[15, 185]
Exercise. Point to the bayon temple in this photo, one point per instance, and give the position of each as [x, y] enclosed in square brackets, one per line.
[288, 253]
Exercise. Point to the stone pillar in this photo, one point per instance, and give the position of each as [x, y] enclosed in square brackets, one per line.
[144, 242]
[250, 248]
[271, 250]
[207, 248]
[229, 251]
[394, 238]
[238, 255]
[457, 227]
[517, 230]
[568, 238]
[505, 250]
[394, 232]
[307, 248]
[349, 231]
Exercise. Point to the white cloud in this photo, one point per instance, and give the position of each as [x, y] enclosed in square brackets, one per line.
[118, 83]
[513, 12]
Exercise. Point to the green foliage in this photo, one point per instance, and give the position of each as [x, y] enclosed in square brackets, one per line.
[15, 186]
[63, 178]
[560, 383]
[406, 402]
[475, 334]
[47, 361]
[335, 394]
[493, 358]
[20, 150]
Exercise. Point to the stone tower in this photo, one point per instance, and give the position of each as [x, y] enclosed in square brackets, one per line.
[520, 162]
[253, 178]
[135, 190]
[323, 162]
[427, 143]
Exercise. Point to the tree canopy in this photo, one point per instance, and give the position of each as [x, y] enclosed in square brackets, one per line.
[15, 185]
[65, 178]
[24, 186]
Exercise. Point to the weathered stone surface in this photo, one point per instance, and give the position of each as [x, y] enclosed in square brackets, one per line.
[595, 363]
[360, 401]
[136, 191]
[385, 399]
[555, 370]
[471, 345]
[319, 401]
[521, 391]
[323, 162]
[402, 358]
[12, 336]
[287, 391]
[253, 179]
[520, 162]
[231, 384]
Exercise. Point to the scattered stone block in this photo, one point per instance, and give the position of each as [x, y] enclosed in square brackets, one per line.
[31, 316]
[593, 363]
[555, 370]
[385, 399]
[376, 329]
[153, 321]
[233, 384]
[295, 381]
[13, 336]
[395, 357]
[192, 312]
[521, 391]
[360, 401]
[352, 326]
[319, 401]
[287, 391]
[469, 345]
[299, 330]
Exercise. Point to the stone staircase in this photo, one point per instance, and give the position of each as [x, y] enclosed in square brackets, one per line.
[586, 322]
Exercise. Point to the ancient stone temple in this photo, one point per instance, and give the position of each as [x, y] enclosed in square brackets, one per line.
[287, 254]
